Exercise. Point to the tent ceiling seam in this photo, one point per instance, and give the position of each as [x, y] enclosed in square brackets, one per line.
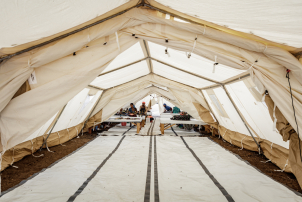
[226, 83]
[186, 71]
[91, 86]
[123, 66]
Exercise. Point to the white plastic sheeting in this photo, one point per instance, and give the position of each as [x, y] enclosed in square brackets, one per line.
[123, 177]
[262, 18]
[180, 176]
[242, 182]
[63, 179]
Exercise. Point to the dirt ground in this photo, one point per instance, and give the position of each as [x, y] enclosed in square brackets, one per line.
[257, 160]
[30, 165]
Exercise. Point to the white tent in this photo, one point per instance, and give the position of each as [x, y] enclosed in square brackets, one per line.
[65, 65]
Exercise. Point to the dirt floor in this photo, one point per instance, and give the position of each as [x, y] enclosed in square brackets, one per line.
[29, 165]
[257, 160]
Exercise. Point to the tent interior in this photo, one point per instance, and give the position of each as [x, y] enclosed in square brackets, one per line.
[237, 67]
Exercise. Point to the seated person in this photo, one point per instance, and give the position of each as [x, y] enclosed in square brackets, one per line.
[132, 110]
[121, 112]
[176, 110]
[167, 108]
[143, 109]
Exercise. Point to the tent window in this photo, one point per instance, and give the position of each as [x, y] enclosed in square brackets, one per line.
[86, 102]
[218, 105]
[254, 91]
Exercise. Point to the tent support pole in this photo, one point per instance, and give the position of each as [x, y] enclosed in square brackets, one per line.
[149, 59]
[92, 111]
[45, 141]
[243, 120]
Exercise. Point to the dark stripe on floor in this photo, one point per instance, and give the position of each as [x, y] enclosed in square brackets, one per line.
[220, 187]
[156, 192]
[79, 191]
[128, 130]
[174, 131]
[148, 178]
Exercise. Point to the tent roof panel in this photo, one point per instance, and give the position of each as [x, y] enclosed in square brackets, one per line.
[275, 21]
[122, 75]
[195, 64]
[26, 21]
[132, 54]
[179, 76]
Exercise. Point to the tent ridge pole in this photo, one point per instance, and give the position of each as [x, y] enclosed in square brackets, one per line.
[240, 115]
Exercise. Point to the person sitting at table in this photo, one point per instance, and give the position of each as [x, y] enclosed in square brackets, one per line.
[132, 110]
[176, 110]
[167, 108]
[143, 109]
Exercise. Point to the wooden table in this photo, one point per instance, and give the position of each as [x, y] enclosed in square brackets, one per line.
[166, 123]
[138, 121]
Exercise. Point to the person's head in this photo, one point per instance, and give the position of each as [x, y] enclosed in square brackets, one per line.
[121, 109]
[165, 105]
[131, 105]
[143, 103]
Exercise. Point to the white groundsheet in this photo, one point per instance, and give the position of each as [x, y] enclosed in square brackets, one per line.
[242, 181]
[123, 177]
[62, 180]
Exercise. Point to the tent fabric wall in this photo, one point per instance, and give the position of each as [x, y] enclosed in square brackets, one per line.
[26, 148]
[271, 57]
[288, 133]
[23, 89]
[55, 7]
[255, 112]
[219, 27]
[63, 88]
[65, 67]
[57, 137]
[229, 130]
